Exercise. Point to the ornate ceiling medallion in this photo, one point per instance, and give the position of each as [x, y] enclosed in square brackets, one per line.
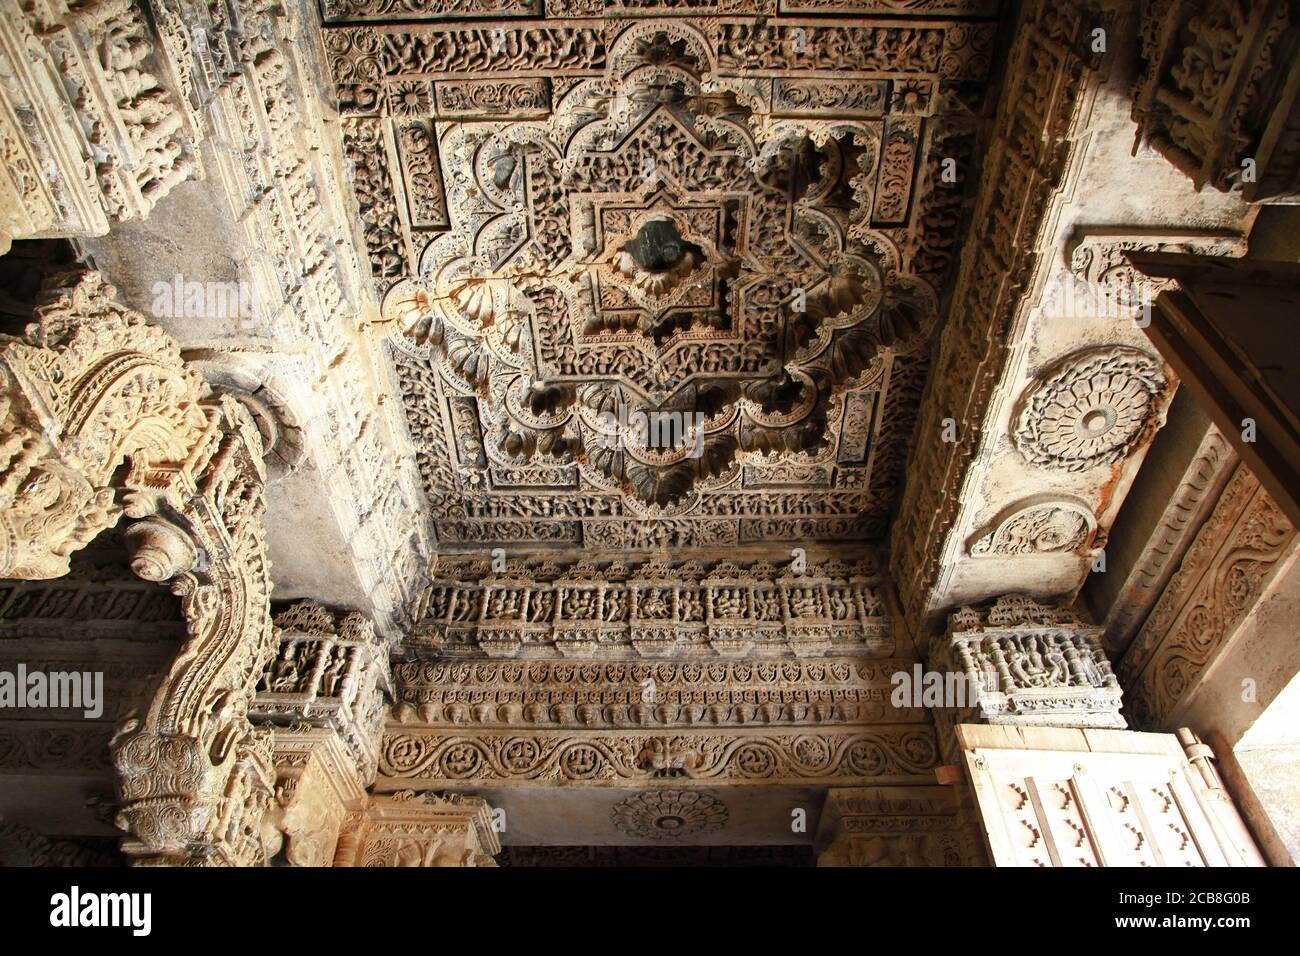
[1092, 408]
[654, 220]
[650, 254]
[669, 815]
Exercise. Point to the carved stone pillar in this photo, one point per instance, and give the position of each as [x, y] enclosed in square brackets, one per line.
[88, 388]
[897, 826]
[322, 696]
[1019, 662]
[409, 829]
[89, 132]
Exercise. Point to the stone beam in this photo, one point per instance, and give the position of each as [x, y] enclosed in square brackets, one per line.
[1051, 395]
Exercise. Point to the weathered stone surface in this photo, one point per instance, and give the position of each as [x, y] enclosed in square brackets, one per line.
[567, 371]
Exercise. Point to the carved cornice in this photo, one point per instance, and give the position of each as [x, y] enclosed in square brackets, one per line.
[22, 846]
[89, 132]
[55, 748]
[1217, 93]
[104, 607]
[668, 694]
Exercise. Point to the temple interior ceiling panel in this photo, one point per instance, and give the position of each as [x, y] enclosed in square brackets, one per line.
[662, 283]
[649, 432]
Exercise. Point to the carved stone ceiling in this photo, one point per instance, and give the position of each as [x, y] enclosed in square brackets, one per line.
[738, 228]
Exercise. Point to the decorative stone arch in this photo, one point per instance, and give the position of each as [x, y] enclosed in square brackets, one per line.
[100, 417]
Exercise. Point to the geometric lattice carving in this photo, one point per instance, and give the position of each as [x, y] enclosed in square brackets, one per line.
[1099, 798]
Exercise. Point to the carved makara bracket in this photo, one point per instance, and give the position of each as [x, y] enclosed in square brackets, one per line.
[91, 387]
[88, 385]
[216, 499]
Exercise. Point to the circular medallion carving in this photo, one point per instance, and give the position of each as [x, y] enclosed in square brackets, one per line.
[1091, 409]
[669, 815]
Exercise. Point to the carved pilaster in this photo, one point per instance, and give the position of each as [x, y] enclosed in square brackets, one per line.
[897, 826]
[1175, 506]
[407, 829]
[1235, 555]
